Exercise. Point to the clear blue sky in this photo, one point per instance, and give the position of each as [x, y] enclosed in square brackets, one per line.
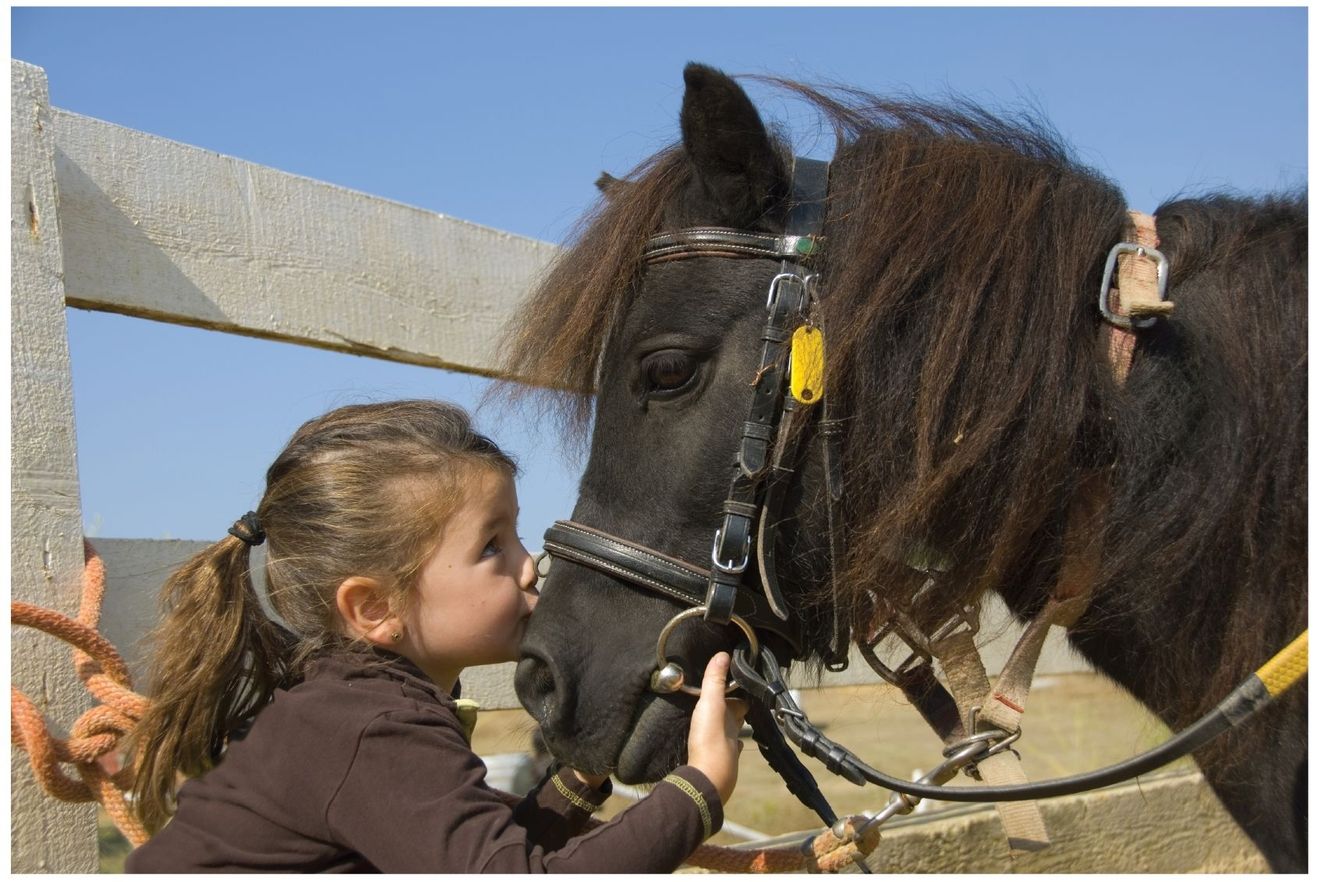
[505, 117]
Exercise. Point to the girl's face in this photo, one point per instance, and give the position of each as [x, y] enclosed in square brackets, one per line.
[476, 592]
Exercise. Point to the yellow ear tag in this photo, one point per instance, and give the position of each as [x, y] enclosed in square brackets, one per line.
[807, 365]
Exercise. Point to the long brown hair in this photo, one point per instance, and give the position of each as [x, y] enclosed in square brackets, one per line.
[364, 490]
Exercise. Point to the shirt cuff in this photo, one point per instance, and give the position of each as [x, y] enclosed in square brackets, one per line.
[577, 792]
[700, 790]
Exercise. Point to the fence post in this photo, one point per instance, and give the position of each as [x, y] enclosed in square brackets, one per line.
[46, 529]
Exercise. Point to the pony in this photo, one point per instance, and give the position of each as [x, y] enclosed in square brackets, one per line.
[961, 256]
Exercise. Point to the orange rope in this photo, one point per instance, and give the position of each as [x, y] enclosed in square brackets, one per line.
[99, 731]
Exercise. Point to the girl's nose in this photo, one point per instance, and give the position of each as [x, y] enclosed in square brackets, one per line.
[529, 574]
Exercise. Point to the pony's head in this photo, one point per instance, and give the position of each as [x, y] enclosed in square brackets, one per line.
[671, 349]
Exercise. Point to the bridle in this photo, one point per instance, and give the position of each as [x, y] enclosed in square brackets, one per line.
[765, 459]
[764, 454]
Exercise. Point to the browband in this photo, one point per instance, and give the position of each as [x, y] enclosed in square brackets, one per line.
[809, 190]
[723, 242]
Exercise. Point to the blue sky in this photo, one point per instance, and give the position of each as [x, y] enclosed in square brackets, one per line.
[505, 117]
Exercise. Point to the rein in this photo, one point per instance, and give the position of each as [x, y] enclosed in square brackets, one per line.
[979, 724]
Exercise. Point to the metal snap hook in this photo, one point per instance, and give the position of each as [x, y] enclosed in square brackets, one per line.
[668, 676]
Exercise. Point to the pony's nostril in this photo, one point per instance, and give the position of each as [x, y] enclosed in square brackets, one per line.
[539, 679]
[537, 688]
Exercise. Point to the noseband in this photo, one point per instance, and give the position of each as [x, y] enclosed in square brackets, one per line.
[754, 495]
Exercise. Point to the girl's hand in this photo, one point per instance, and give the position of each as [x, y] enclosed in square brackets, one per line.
[714, 745]
[594, 782]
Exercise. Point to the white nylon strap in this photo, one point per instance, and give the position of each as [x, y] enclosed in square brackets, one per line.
[968, 684]
[1003, 706]
[1135, 294]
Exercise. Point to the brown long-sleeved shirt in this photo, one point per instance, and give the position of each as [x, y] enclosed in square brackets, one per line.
[367, 768]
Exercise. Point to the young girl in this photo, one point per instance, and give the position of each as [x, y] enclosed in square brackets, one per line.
[333, 742]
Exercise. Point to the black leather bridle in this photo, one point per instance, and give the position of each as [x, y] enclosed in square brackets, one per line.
[764, 452]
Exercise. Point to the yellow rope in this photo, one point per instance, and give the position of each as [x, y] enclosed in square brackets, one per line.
[1286, 667]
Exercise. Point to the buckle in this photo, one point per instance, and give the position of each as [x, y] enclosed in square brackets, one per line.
[967, 620]
[807, 283]
[1104, 295]
[729, 567]
[918, 652]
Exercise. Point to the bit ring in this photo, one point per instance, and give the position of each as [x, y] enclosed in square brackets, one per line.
[669, 677]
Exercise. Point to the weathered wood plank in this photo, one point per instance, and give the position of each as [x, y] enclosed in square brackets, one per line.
[1165, 823]
[46, 529]
[162, 230]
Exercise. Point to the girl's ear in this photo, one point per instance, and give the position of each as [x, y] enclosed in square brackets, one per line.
[363, 607]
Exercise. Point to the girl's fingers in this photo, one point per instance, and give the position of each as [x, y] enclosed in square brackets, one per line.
[714, 686]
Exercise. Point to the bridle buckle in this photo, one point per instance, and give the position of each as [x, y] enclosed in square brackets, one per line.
[729, 568]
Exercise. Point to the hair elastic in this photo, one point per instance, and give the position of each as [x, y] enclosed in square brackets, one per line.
[248, 529]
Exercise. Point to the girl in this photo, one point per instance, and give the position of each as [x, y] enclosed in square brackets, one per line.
[333, 742]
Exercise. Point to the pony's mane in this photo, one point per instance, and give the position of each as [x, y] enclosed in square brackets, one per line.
[554, 349]
[558, 341]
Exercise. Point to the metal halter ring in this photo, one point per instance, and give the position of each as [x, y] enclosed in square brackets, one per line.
[669, 677]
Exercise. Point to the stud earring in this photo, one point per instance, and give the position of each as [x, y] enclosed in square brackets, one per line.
[396, 636]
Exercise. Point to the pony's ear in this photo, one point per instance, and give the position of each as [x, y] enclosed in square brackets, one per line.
[735, 163]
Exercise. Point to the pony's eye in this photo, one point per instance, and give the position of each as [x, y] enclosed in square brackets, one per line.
[667, 371]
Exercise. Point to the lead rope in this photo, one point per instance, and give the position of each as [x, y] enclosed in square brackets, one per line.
[97, 732]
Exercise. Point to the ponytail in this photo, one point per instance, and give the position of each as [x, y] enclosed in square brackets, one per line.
[217, 659]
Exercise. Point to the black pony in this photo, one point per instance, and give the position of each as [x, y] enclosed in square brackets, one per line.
[961, 260]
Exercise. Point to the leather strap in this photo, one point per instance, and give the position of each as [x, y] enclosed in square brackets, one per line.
[725, 242]
[781, 469]
[788, 297]
[657, 572]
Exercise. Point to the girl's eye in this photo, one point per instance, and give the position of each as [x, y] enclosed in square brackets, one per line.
[491, 548]
[667, 371]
